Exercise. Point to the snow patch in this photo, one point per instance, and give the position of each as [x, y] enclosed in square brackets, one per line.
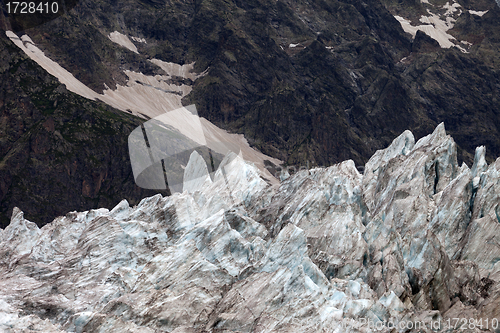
[122, 40]
[139, 40]
[450, 9]
[478, 13]
[434, 27]
[72, 84]
[146, 95]
[172, 69]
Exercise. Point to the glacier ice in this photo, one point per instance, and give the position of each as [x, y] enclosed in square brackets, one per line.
[414, 238]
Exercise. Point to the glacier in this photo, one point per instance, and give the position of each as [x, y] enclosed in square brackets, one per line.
[414, 239]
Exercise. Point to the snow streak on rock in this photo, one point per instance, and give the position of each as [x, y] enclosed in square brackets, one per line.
[122, 40]
[414, 239]
[72, 84]
[478, 13]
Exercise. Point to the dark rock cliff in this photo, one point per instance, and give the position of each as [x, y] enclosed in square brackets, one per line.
[311, 83]
[58, 151]
[318, 81]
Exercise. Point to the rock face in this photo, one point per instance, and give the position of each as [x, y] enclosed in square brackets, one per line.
[58, 151]
[412, 240]
[318, 81]
[308, 82]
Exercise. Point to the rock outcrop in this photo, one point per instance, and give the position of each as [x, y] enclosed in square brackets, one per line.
[412, 240]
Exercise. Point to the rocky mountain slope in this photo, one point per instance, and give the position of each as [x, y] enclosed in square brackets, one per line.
[307, 82]
[58, 151]
[319, 81]
[412, 241]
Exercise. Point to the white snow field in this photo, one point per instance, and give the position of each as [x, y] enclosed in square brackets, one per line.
[435, 27]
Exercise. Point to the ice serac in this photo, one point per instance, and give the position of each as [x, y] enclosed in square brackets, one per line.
[19, 237]
[415, 238]
[479, 166]
[402, 145]
[196, 173]
[483, 239]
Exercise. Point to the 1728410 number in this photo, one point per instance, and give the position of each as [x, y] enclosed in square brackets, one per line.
[463, 323]
[14, 7]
